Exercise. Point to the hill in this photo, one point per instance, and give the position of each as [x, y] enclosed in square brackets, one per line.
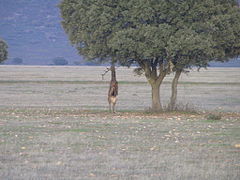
[32, 29]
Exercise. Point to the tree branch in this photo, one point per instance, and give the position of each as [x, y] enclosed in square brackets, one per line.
[105, 72]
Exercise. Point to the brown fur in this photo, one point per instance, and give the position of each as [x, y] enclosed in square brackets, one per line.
[113, 90]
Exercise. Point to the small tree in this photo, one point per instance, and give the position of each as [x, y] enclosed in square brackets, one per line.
[60, 61]
[77, 63]
[17, 61]
[3, 50]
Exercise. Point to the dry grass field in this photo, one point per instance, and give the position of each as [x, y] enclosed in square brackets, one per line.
[83, 88]
[54, 124]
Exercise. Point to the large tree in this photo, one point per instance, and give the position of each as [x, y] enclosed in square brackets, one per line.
[160, 36]
[3, 50]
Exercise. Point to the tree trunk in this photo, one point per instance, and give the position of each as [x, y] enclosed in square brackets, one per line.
[156, 102]
[173, 100]
[155, 80]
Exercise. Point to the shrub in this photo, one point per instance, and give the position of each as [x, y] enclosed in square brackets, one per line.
[60, 61]
[214, 116]
[17, 60]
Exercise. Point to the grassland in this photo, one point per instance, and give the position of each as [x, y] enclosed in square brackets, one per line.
[83, 88]
[54, 125]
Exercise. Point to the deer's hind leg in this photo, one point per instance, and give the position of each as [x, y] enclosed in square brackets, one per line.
[113, 108]
[110, 104]
[114, 101]
[110, 107]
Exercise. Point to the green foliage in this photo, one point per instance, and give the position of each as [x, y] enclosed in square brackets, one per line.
[213, 117]
[138, 71]
[3, 50]
[60, 61]
[189, 32]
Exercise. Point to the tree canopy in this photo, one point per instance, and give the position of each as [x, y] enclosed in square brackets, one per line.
[143, 29]
[3, 50]
[154, 34]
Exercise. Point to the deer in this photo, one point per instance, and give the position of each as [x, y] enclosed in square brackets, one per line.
[113, 90]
